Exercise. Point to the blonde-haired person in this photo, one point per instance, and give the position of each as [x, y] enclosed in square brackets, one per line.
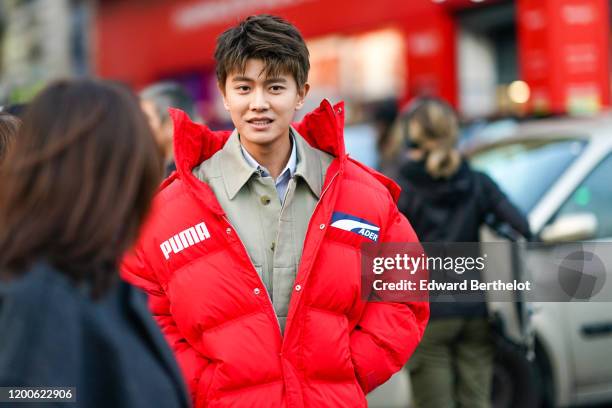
[448, 201]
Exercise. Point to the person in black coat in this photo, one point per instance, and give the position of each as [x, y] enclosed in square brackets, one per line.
[447, 201]
[77, 184]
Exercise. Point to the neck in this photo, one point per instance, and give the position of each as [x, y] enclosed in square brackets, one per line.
[273, 157]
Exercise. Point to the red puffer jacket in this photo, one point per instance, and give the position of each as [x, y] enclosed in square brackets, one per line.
[213, 308]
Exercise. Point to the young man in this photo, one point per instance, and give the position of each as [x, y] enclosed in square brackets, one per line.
[252, 273]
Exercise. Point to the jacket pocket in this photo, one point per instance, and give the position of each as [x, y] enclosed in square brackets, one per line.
[326, 351]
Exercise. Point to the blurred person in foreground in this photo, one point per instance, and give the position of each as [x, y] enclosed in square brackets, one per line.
[252, 258]
[76, 186]
[155, 100]
[9, 125]
[448, 201]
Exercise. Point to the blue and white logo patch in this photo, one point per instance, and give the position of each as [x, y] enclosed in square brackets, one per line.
[357, 225]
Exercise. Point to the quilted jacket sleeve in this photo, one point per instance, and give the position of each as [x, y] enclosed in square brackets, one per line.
[387, 333]
[136, 270]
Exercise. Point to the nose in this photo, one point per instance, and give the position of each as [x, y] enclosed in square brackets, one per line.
[259, 102]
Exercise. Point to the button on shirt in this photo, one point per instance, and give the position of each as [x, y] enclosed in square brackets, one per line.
[282, 181]
[272, 230]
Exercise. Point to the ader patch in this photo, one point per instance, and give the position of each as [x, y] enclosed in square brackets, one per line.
[357, 225]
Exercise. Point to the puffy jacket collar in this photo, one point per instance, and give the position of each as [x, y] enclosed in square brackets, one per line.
[195, 143]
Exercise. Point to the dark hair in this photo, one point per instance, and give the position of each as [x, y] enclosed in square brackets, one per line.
[168, 94]
[269, 38]
[77, 182]
[9, 125]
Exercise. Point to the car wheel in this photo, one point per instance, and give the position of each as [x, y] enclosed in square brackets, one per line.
[515, 381]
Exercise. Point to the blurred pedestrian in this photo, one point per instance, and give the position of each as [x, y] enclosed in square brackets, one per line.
[388, 144]
[9, 125]
[76, 186]
[448, 201]
[155, 101]
[252, 255]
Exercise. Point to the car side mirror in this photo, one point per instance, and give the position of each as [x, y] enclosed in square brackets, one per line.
[570, 227]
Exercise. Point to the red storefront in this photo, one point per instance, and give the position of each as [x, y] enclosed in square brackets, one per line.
[143, 41]
[564, 53]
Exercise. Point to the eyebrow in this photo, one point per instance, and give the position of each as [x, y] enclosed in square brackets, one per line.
[267, 81]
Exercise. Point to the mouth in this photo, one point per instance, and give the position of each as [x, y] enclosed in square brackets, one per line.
[260, 123]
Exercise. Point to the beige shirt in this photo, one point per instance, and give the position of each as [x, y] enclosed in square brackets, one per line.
[272, 231]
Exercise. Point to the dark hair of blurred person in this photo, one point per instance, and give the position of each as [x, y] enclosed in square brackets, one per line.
[76, 186]
[447, 201]
[78, 181]
[155, 101]
[9, 125]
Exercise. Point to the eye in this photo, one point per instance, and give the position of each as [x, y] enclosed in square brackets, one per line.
[276, 88]
[243, 88]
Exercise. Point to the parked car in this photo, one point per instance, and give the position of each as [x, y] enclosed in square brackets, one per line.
[559, 172]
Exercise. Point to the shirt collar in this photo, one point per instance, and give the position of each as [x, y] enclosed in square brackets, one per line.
[289, 169]
[237, 165]
[234, 168]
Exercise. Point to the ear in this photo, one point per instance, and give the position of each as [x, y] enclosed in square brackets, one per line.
[302, 96]
[222, 90]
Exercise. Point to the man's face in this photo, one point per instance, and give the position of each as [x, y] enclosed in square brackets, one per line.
[261, 108]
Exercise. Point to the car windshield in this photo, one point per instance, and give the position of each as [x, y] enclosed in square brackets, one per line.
[525, 170]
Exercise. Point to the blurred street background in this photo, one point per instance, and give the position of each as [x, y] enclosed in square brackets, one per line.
[490, 59]
[530, 79]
